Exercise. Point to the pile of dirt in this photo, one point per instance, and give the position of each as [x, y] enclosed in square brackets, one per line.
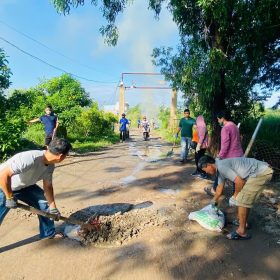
[267, 212]
[122, 227]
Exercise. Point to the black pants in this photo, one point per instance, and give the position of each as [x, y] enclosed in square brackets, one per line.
[122, 135]
[198, 155]
[48, 139]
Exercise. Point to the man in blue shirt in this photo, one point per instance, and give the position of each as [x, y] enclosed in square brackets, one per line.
[123, 123]
[50, 124]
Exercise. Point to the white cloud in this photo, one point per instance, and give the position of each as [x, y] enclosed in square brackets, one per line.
[139, 33]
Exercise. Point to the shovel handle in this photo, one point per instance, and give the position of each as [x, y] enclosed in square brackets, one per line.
[49, 215]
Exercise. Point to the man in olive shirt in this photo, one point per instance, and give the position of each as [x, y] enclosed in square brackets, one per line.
[186, 127]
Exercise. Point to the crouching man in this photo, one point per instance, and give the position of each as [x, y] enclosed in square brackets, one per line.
[249, 175]
[18, 178]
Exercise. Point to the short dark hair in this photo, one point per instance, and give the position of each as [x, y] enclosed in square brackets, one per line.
[186, 110]
[59, 146]
[224, 114]
[49, 106]
[204, 161]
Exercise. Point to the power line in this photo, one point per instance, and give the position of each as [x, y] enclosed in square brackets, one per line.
[45, 46]
[53, 66]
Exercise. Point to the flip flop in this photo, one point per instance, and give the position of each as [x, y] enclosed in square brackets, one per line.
[236, 236]
[58, 235]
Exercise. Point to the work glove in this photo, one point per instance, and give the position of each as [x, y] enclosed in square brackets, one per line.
[232, 201]
[55, 211]
[197, 147]
[11, 203]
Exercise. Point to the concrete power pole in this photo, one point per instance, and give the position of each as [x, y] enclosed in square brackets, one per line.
[173, 109]
[121, 99]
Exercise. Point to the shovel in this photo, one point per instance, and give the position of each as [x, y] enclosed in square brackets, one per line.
[91, 224]
[170, 153]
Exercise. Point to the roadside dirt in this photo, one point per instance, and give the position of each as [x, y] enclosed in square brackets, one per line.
[152, 242]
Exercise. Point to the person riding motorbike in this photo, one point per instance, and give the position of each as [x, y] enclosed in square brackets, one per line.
[146, 128]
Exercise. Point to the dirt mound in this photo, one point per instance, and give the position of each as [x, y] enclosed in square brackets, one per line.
[119, 228]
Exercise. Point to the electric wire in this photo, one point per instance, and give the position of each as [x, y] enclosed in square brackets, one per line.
[47, 47]
[53, 66]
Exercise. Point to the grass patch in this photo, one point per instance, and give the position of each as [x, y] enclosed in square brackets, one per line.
[167, 135]
[83, 146]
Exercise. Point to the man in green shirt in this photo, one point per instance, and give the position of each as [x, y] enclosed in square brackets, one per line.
[186, 127]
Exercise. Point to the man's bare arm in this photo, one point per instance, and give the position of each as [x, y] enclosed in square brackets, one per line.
[34, 120]
[219, 192]
[49, 194]
[5, 182]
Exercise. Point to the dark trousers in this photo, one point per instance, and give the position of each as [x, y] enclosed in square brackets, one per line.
[198, 155]
[122, 135]
[33, 196]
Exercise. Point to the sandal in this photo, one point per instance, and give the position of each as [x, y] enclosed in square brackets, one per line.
[236, 236]
[208, 191]
[58, 235]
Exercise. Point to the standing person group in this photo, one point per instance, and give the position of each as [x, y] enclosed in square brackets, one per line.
[50, 122]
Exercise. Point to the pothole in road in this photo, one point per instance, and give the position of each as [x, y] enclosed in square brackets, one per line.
[118, 228]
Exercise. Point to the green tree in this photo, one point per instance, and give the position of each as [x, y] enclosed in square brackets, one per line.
[93, 122]
[67, 97]
[5, 74]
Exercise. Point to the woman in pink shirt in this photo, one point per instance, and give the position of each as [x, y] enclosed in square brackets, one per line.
[201, 145]
[230, 143]
[230, 138]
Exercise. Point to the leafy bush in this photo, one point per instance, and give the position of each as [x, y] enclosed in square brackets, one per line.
[93, 122]
[10, 136]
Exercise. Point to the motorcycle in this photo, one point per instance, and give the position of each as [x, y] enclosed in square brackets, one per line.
[146, 132]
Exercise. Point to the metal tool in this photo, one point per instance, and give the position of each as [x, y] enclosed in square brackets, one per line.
[92, 224]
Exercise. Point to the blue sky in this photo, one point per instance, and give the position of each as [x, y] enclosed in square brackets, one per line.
[77, 37]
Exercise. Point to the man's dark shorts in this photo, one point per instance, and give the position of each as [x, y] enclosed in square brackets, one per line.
[48, 139]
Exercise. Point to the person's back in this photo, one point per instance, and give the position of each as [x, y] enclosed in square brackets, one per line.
[230, 141]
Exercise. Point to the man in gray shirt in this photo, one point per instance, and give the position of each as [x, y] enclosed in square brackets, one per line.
[18, 178]
[249, 175]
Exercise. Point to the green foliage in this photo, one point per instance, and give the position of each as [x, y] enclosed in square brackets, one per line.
[269, 131]
[133, 114]
[93, 122]
[110, 10]
[35, 133]
[5, 73]
[94, 144]
[66, 96]
[164, 116]
[10, 136]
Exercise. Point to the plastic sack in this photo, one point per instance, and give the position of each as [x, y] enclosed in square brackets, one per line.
[209, 217]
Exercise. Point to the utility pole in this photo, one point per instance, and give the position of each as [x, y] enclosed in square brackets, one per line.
[173, 109]
[121, 99]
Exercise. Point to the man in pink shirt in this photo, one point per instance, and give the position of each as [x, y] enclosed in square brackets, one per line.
[230, 143]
